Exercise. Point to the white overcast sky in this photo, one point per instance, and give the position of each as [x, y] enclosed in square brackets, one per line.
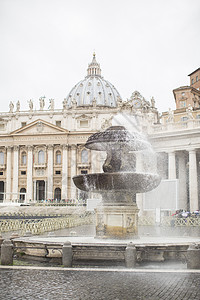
[145, 45]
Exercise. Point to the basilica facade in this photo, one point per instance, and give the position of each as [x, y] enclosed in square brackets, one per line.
[41, 150]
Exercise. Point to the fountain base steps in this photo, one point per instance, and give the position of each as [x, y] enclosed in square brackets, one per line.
[119, 221]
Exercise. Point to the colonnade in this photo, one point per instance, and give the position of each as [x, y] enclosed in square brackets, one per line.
[179, 164]
[67, 169]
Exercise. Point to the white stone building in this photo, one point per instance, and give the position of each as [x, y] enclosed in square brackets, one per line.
[41, 150]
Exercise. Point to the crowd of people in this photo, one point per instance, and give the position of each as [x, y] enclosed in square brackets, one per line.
[180, 213]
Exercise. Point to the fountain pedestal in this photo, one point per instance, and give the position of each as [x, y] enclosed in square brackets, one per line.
[117, 221]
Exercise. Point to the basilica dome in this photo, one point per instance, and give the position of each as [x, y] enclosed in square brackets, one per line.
[94, 89]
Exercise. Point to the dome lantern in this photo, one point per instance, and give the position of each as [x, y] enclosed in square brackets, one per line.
[94, 67]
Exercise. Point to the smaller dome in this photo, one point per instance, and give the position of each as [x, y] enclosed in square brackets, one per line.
[94, 89]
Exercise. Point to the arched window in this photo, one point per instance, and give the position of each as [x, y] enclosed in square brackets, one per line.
[1, 158]
[84, 156]
[22, 194]
[24, 158]
[58, 157]
[41, 157]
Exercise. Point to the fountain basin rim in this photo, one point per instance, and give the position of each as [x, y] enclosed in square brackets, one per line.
[117, 182]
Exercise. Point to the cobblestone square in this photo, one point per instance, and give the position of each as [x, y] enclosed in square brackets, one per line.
[89, 284]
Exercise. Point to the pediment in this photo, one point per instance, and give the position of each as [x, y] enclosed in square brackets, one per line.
[83, 117]
[39, 127]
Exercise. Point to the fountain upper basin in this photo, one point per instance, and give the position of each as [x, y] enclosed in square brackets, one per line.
[122, 181]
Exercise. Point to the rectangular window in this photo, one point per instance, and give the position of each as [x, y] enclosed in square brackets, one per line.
[41, 157]
[58, 172]
[23, 172]
[58, 123]
[184, 119]
[1, 158]
[23, 158]
[196, 78]
[182, 103]
[2, 127]
[84, 123]
[84, 171]
[1, 173]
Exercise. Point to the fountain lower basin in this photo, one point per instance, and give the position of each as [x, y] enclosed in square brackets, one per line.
[117, 182]
[91, 251]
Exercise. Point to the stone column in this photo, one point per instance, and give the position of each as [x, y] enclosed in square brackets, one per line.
[67, 254]
[7, 252]
[64, 171]
[182, 182]
[94, 161]
[130, 255]
[15, 173]
[162, 165]
[8, 174]
[34, 189]
[73, 171]
[171, 165]
[193, 257]
[139, 169]
[29, 191]
[50, 172]
[193, 185]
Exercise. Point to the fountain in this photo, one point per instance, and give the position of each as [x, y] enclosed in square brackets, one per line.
[129, 169]
[117, 215]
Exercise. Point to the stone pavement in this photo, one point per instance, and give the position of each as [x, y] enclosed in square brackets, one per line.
[23, 283]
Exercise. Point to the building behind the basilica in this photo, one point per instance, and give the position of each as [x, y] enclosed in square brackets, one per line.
[41, 150]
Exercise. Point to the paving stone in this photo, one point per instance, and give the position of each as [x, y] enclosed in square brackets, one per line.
[85, 285]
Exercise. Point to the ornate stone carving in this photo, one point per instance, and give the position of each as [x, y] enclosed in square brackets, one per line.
[65, 146]
[65, 104]
[40, 126]
[30, 147]
[84, 117]
[189, 111]
[16, 148]
[51, 104]
[40, 172]
[42, 102]
[30, 103]
[18, 106]
[94, 102]
[73, 147]
[106, 123]
[119, 102]
[11, 106]
[74, 104]
[9, 148]
[153, 102]
[50, 147]
[170, 118]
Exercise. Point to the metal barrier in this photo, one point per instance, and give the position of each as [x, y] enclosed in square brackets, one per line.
[39, 226]
[169, 221]
[146, 221]
[180, 222]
